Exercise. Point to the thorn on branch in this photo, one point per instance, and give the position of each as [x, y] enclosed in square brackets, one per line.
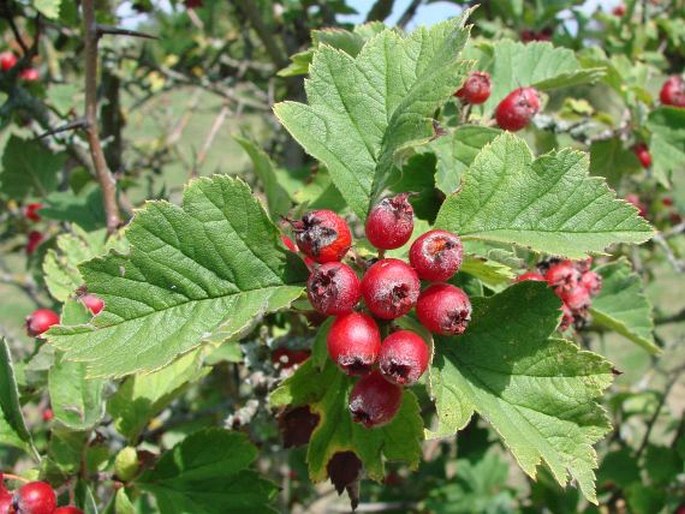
[80, 123]
[117, 31]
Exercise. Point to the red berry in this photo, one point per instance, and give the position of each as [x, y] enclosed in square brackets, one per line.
[390, 288]
[517, 109]
[576, 298]
[642, 152]
[7, 61]
[286, 358]
[322, 235]
[68, 510]
[634, 199]
[444, 309]
[374, 401]
[5, 497]
[40, 321]
[29, 75]
[333, 288]
[93, 303]
[34, 240]
[476, 89]
[567, 318]
[404, 357]
[31, 211]
[390, 222]
[35, 498]
[530, 276]
[48, 415]
[592, 282]
[562, 275]
[667, 201]
[619, 10]
[354, 342]
[436, 255]
[673, 91]
[192, 4]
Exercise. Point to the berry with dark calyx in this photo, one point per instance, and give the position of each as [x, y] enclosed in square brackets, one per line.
[390, 288]
[404, 357]
[444, 309]
[476, 89]
[517, 109]
[530, 276]
[40, 321]
[333, 288]
[286, 358]
[436, 255]
[673, 91]
[322, 235]
[7, 60]
[354, 342]
[296, 425]
[567, 318]
[35, 238]
[641, 151]
[592, 282]
[35, 498]
[390, 223]
[374, 401]
[562, 275]
[93, 303]
[70, 509]
[31, 211]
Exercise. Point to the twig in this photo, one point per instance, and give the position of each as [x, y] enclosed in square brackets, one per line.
[79, 123]
[117, 31]
[673, 318]
[213, 131]
[652, 420]
[677, 264]
[381, 507]
[17, 34]
[104, 176]
[252, 13]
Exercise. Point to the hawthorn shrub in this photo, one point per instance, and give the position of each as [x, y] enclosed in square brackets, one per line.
[446, 279]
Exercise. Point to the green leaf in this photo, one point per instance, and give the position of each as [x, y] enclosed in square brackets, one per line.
[326, 391]
[60, 266]
[76, 401]
[662, 465]
[13, 431]
[122, 505]
[609, 159]
[143, 396]
[667, 145]
[537, 64]
[208, 473]
[276, 197]
[455, 153]
[549, 204]
[362, 110]
[85, 208]
[29, 168]
[206, 271]
[622, 306]
[491, 273]
[619, 468]
[538, 392]
[48, 8]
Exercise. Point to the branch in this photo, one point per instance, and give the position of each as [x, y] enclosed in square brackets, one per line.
[677, 264]
[117, 31]
[409, 13]
[104, 176]
[213, 131]
[277, 55]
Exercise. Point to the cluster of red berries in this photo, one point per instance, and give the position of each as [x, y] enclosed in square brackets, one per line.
[32, 498]
[30, 211]
[40, 320]
[513, 113]
[8, 61]
[390, 288]
[574, 282]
